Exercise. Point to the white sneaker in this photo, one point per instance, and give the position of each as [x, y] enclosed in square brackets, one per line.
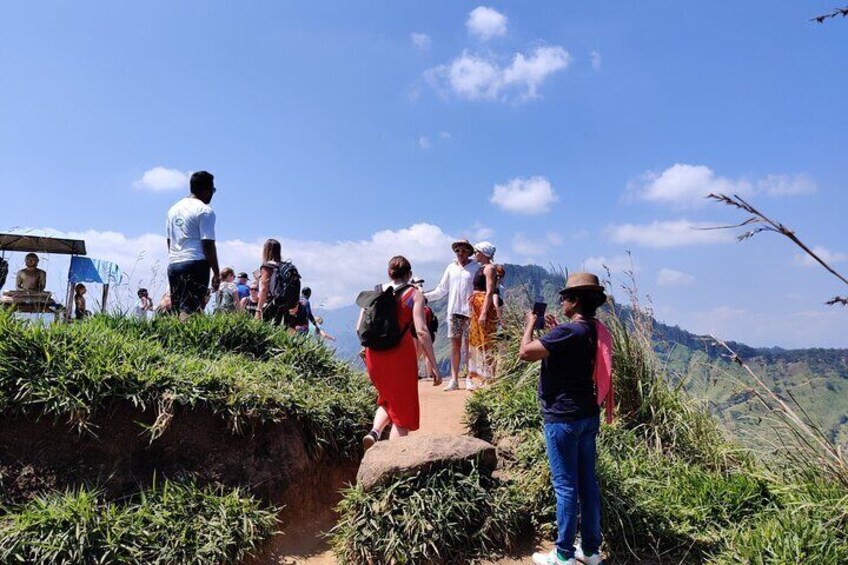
[594, 559]
[552, 558]
[452, 385]
[469, 384]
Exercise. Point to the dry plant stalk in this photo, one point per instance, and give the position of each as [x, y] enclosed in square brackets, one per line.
[836, 12]
[830, 455]
[767, 224]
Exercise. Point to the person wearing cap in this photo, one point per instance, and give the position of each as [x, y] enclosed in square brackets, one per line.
[571, 417]
[242, 286]
[484, 321]
[456, 283]
[190, 229]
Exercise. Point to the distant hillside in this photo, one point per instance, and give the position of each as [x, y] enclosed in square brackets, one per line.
[817, 378]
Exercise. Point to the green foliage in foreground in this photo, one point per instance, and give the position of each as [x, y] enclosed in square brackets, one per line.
[448, 516]
[171, 523]
[230, 364]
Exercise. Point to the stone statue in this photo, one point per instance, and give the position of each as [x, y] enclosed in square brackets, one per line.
[31, 278]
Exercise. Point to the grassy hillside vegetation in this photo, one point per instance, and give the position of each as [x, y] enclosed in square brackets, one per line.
[245, 372]
[673, 486]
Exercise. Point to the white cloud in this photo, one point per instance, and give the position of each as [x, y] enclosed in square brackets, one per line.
[160, 179]
[479, 232]
[787, 185]
[555, 238]
[421, 40]
[534, 195]
[684, 185]
[596, 60]
[674, 233]
[485, 23]
[828, 256]
[670, 277]
[424, 142]
[444, 134]
[477, 77]
[526, 247]
[336, 270]
[617, 265]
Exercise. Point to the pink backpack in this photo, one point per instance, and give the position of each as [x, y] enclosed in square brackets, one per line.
[603, 369]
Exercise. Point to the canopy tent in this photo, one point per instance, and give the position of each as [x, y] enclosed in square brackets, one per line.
[41, 244]
[85, 270]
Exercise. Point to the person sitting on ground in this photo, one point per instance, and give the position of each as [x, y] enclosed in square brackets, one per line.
[228, 300]
[143, 305]
[243, 286]
[80, 311]
[31, 278]
[251, 303]
[571, 417]
[394, 371]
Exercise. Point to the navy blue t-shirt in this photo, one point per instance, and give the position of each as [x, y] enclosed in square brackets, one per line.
[566, 388]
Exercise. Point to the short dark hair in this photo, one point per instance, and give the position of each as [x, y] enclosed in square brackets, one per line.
[142, 291]
[307, 292]
[399, 268]
[200, 181]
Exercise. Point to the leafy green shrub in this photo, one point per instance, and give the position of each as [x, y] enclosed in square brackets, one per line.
[171, 523]
[447, 516]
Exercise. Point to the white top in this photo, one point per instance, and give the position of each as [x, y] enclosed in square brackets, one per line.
[189, 222]
[141, 308]
[457, 283]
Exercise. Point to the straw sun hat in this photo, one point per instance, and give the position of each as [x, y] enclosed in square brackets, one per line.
[462, 243]
[582, 281]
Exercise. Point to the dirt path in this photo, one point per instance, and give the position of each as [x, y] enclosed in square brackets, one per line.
[303, 544]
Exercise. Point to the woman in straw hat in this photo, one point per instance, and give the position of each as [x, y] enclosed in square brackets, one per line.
[572, 417]
[484, 321]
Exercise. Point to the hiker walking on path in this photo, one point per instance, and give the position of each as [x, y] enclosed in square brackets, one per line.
[279, 285]
[390, 355]
[484, 321]
[228, 295]
[191, 246]
[456, 283]
[571, 416]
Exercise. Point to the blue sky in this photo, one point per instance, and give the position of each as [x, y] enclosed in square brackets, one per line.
[565, 132]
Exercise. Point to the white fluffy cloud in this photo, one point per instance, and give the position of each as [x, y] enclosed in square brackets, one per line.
[421, 40]
[160, 179]
[787, 185]
[424, 142]
[671, 277]
[596, 60]
[674, 233]
[485, 23]
[534, 195]
[828, 256]
[336, 271]
[526, 247]
[617, 265]
[478, 77]
[684, 185]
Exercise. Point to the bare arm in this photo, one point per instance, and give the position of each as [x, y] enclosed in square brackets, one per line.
[489, 272]
[420, 324]
[265, 274]
[531, 349]
[211, 254]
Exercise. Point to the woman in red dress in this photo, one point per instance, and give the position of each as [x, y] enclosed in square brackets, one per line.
[394, 372]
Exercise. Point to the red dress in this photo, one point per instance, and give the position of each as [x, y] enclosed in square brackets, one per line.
[394, 372]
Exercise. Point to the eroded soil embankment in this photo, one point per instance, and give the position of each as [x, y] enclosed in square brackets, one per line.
[270, 459]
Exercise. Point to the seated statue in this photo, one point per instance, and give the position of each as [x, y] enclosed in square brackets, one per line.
[31, 278]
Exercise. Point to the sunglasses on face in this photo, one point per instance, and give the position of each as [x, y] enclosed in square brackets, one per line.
[567, 297]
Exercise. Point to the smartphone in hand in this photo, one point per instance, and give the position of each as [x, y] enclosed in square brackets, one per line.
[539, 309]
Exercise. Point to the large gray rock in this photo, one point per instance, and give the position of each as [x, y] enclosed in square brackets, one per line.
[406, 456]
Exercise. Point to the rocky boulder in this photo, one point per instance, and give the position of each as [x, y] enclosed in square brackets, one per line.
[406, 456]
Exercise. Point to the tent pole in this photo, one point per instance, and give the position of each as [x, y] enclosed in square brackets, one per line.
[105, 297]
[68, 298]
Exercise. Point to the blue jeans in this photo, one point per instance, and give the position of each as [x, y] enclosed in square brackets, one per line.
[571, 455]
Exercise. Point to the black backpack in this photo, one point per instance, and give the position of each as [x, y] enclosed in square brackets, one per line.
[379, 328]
[284, 287]
[433, 322]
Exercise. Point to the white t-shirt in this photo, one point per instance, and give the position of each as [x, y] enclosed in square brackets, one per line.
[189, 222]
[141, 308]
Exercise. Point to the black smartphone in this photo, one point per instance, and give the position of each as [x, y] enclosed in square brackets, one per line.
[539, 309]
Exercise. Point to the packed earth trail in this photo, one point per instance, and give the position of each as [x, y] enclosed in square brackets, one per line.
[304, 543]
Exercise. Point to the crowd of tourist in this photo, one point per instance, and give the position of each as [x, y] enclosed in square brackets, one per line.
[396, 327]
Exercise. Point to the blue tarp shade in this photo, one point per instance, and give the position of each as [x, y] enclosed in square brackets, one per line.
[85, 270]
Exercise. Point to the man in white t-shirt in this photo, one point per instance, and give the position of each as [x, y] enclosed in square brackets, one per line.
[191, 246]
[457, 284]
